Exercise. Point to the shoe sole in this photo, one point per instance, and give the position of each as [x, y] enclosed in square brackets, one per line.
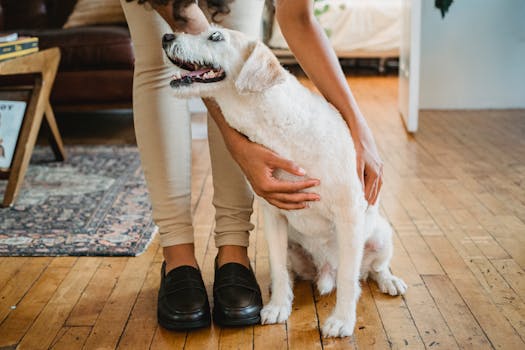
[236, 322]
[184, 326]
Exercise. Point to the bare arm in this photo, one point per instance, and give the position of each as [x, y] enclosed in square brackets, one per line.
[305, 36]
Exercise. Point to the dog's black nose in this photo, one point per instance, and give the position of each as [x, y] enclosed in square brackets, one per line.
[168, 37]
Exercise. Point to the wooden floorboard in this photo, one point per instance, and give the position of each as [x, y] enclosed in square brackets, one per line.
[454, 194]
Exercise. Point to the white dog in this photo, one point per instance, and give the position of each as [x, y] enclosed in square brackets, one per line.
[339, 237]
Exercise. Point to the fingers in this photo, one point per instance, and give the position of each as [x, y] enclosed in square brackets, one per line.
[283, 194]
[287, 165]
[287, 206]
[361, 173]
[378, 190]
[373, 184]
[290, 167]
[373, 193]
[293, 201]
[291, 186]
[287, 195]
[295, 197]
[370, 185]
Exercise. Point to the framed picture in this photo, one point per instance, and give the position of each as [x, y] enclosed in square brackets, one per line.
[11, 117]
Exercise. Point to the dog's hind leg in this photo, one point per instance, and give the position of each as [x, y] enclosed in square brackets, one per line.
[326, 279]
[280, 306]
[381, 250]
[349, 228]
[300, 262]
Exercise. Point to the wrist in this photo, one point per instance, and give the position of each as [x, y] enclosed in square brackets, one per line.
[359, 130]
[234, 140]
[355, 121]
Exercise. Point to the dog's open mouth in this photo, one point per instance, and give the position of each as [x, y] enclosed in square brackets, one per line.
[197, 73]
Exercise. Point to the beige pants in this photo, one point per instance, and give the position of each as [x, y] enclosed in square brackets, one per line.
[163, 130]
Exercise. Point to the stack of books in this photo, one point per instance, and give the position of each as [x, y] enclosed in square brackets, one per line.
[12, 45]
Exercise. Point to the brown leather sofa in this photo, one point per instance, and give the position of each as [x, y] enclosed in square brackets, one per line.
[96, 69]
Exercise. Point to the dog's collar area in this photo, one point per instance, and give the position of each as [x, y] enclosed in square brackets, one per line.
[196, 73]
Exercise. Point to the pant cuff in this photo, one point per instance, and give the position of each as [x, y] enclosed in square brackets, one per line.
[174, 238]
[232, 238]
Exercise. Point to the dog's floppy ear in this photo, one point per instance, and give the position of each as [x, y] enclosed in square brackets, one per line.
[261, 71]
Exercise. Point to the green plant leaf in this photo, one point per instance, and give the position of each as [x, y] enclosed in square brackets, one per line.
[443, 6]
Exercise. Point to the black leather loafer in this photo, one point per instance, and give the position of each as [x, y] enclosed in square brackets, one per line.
[236, 296]
[183, 301]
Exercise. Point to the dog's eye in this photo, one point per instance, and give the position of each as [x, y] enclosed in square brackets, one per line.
[216, 36]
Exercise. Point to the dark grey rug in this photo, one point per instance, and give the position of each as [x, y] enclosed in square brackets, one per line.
[94, 204]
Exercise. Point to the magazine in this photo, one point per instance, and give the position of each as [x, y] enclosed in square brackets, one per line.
[11, 117]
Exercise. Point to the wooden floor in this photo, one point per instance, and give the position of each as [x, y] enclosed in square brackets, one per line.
[454, 193]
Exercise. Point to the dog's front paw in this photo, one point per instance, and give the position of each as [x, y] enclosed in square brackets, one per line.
[339, 327]
[392, 285]
[274, 313]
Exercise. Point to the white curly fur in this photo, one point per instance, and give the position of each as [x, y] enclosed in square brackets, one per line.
[338, 237]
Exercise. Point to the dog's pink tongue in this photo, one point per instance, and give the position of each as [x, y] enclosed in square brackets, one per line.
[198, 72]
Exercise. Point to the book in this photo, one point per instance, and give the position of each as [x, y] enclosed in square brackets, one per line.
[21, 46]
[17, 54]
[4, 38]
[11, 117]
[21, 43]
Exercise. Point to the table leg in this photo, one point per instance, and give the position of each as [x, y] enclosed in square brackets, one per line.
[45, 64]
[26, 143]
[55, 139]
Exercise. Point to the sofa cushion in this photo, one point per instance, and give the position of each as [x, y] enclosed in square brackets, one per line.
[89, 12]
[84, 48]
[35, 14]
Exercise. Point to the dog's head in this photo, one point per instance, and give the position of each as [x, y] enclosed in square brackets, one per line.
[218, 59]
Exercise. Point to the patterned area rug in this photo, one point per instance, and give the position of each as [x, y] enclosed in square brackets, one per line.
[95, 203]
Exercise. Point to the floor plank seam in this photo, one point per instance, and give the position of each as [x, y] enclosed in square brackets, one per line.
[441, 312]
[66, 324]
[403, 297]
[379, 316]
[133, 306]
[27, 290]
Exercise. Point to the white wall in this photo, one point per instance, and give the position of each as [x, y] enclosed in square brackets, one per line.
[474, 58]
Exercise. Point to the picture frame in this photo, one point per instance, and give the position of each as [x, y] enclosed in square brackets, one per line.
[11, 118]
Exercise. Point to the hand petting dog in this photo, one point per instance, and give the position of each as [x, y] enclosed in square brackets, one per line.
[259, 164]
[304, 35]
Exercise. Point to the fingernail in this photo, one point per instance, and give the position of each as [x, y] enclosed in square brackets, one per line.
[301, 171]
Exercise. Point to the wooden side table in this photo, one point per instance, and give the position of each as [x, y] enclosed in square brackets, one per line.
[44, 64]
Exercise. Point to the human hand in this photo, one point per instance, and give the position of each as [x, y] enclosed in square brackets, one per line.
[259, 164]
[369, 163]
[187, 18]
